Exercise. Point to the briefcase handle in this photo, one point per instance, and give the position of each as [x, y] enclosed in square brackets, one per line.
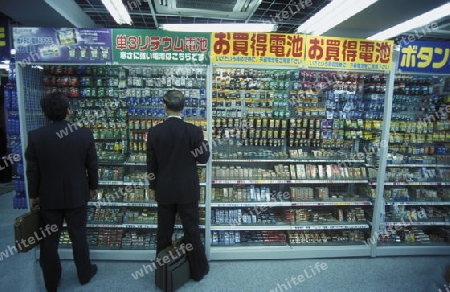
[177, 243]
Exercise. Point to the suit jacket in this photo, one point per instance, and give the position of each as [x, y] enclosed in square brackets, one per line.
[173, 150]
[61, 165]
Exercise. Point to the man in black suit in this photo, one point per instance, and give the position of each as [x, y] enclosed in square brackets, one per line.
[62, 173]
[173, 150]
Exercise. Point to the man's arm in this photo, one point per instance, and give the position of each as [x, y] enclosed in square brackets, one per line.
[201, 147]
[33, 172]
[91, 165]
[152, 165]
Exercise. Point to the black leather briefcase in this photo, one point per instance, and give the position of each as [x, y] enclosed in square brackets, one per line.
[25, 227]
[174, 274]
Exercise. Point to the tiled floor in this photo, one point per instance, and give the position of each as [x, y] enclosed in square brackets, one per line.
[20, 272]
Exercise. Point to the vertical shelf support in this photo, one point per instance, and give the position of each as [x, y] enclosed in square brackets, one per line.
[383, 149]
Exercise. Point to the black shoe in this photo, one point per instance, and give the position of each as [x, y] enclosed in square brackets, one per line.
[52, 290]
[199, 278]
[94, 270]
[446, 274]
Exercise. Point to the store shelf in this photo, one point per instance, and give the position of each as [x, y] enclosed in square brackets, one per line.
[150, 204]
[290, 204]
[135, 163]
[135, 183]
[329, 203]
[413, 183]
[107, 163]
[407, 250]
[303, 160]
[287, 252]
[331, 226]
[306, 181]
[110, 183]
[258, 252]
[418, 165]
[131, 225]
[417, 223]
[109, 254]
[290, 227]
[123, 204]
[421, 203]
[122, 183]
[129, 163]
[101, 225]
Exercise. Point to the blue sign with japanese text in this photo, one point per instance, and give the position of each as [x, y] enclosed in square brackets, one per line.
[4, 40]
[71, 45]
[425, 57]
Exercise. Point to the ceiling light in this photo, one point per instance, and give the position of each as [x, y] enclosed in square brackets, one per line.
[333, 14]
[421, 20]
[118, 11]
[221, 27]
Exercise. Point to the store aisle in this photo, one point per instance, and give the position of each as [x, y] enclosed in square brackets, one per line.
[20, 272]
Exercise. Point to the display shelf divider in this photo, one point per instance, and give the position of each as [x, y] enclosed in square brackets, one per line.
[384, 144]
[22, 123]
[208, 188]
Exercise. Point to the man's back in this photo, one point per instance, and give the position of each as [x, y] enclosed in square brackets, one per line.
[61, 153]
[172, 157]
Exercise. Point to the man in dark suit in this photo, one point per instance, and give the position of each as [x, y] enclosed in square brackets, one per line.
[173, 150]
[62, 174]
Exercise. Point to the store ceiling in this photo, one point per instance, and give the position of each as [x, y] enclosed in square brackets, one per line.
[144, 13]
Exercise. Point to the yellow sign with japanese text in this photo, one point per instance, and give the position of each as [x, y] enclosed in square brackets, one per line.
[348, 53]
[258, 48]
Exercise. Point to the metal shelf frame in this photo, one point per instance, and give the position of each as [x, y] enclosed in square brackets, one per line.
[273, 252]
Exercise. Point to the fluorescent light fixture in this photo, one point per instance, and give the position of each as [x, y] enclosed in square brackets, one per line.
[4, 66]
[220, 27]
[118, 11]
[418, 21]
[331, 15]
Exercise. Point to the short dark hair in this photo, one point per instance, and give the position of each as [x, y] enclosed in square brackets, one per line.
[174, 100]
[55, 106]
